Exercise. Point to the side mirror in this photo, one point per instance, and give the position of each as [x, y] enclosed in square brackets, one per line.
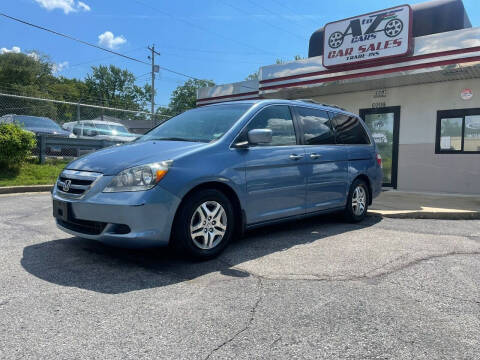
[259, 136]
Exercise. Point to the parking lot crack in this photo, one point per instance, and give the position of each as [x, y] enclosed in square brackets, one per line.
[435, 293]
[369, 275]
[247, 324]
[415, 262]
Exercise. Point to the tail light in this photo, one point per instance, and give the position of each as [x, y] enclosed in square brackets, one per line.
[379, 160]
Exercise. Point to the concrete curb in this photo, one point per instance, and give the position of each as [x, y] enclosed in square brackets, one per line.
[24, 189]
[471, 215]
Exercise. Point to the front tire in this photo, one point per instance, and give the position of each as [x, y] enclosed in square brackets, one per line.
[204, 225]
[357, 201]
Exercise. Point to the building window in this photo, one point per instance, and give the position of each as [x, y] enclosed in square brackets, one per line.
[458, 131]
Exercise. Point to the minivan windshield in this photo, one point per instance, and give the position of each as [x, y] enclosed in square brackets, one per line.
[203, 124]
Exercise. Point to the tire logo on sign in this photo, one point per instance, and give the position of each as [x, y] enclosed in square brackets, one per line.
[392, 28]
[368, 37]
[66, 185]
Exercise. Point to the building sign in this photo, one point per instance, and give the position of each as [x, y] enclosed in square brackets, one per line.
[368, 37]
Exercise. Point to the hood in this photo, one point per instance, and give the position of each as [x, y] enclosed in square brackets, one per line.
[49, 131]
[112, 160]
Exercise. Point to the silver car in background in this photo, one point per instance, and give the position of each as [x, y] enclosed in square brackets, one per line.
[99, 129]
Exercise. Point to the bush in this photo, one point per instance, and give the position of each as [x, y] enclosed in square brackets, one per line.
[16, 145]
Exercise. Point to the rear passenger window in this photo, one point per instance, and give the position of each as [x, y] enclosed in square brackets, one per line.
[316, 126]
[349, 130]
[278, 119]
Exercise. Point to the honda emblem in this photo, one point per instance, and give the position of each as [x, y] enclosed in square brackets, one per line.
[66, 185]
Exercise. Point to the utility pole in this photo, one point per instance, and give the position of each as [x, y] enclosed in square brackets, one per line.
[155, 68]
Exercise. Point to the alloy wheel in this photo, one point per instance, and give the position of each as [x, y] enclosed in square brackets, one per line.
[208, 225]
[359, 200]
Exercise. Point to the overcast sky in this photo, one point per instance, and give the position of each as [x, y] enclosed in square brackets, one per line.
[221, 40]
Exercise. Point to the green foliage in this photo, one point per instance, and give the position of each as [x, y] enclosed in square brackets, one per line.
[252, 76]
[16, 145]
[114, 87]
[281, 61]
[24, 70]
[34, 76]
[32, 173]
[184, 97]
[26, 75]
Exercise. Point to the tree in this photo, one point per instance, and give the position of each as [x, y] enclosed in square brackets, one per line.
[254, 76]
[22, 70]
[114, 87]
[184, 97]
[295, 58]
[33, 75]
[23, 74]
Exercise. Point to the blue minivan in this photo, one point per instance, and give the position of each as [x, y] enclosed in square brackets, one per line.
[208, 174]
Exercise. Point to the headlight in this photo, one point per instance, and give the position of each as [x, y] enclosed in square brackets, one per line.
[139, 178]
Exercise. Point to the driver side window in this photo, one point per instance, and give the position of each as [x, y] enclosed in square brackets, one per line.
[278, 119]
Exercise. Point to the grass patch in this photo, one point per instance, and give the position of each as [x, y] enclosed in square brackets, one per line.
[32, 173]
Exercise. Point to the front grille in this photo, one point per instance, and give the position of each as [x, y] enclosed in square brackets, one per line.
[73, 183]
[83, 226]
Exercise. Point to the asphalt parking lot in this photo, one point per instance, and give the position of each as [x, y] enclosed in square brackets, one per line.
[319, 288]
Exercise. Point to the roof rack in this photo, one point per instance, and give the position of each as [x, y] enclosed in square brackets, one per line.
[318, 103]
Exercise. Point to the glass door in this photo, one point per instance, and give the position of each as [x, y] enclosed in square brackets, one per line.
[384, 126]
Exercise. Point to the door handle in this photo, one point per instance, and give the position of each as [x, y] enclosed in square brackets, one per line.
[295, 157]
[315, 156]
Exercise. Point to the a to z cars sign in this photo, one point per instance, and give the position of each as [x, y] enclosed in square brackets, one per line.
[368, 37]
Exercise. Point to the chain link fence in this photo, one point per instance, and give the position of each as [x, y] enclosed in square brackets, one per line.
[68, 129]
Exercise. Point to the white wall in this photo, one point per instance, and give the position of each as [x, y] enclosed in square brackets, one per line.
[419, 168]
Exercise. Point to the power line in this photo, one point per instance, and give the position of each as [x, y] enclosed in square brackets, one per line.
[208, 51]
[105, 49]
[139, 76]
[103, 58]
[202, 28]
[264, 22]
[211, 60]
[95, 46]
[288, 8]
[73, 38]
[266, 9]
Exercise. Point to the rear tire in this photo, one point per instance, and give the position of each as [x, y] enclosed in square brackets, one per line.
[357, 201]
[204, 225]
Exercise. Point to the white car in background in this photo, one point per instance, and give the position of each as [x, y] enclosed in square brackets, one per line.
[98, 129]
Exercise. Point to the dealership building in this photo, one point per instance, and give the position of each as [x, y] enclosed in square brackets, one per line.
[411, 72]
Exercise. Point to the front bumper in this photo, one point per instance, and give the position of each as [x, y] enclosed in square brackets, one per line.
[126, 219]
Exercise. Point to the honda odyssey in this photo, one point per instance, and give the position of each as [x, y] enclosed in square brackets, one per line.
[210, 173]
